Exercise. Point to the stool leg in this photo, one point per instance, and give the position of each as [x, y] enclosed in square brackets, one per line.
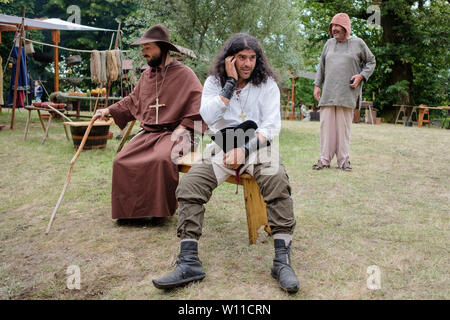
[255, 208]
[65, 130]
[46, 129]
[27, 125]
[40, 120]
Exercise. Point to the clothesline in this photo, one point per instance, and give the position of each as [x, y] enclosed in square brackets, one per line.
[63, 48]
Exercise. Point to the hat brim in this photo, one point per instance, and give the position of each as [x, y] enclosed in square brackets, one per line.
[143, 40]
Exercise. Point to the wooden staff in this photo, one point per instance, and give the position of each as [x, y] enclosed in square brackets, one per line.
[125, 137]
[72, 162]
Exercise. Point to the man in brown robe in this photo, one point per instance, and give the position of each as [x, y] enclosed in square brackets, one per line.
[166, 102]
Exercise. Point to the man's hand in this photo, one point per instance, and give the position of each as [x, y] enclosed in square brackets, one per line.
[234, 158]
[182, 145]
[317, 93]
[102, 113]
[358, 78]
[179, 132]
[230, 67]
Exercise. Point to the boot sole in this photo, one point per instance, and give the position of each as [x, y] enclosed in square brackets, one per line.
[171, 285]
[288, 290]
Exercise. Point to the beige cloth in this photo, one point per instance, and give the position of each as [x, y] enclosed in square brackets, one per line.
[335, 131]
[111, 66]
[95, 66]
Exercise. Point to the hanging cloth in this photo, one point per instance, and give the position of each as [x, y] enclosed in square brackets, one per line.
[95, 66]
[103, 77]
[23, 84]
[111, 66]
[119, 61]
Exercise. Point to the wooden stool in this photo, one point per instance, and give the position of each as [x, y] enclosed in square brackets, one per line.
[255, 206]
[45, 128]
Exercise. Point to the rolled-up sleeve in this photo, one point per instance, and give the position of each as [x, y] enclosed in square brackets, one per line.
[212, 107]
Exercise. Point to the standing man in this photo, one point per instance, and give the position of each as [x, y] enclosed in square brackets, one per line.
[345, 62]
[241, 87]
[166, 102]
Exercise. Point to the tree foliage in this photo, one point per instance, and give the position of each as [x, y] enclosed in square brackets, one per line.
[411, 46]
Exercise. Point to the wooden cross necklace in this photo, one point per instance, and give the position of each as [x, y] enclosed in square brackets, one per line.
[238, 94]
[157, 105]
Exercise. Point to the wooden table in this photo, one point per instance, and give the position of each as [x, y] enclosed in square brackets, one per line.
[45, 128]
[447, 117]
[423, 109]
[403, 108]
[78, 99]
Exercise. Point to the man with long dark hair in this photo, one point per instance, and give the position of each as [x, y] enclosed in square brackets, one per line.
[240, 93]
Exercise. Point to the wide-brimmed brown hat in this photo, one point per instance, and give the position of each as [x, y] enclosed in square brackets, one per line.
[158, 33]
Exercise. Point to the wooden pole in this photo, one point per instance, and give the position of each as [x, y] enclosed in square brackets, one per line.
[292, 116]
[56, 39]
[108, 86]
[72, 162]
[16, 80]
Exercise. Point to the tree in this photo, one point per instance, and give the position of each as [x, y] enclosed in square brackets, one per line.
[411, 48]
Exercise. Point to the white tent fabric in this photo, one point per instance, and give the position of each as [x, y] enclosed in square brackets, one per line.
[49, 24]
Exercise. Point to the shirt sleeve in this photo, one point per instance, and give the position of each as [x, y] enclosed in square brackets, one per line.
[320, 74]
[269, 100]
[212, 107]
[368, 63]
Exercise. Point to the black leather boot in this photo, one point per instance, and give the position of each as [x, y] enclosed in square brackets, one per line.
[281, 269]
[188, 269]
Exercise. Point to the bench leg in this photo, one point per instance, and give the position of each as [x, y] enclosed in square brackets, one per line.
[256, 210]
[47, 129]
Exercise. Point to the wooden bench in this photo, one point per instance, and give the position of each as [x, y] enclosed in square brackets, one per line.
[255, 206]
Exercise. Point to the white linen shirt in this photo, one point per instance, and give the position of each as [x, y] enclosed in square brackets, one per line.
[259, 103]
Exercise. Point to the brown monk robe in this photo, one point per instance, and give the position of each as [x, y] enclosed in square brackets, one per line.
[144, 176]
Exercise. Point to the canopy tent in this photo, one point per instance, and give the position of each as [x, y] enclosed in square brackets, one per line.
[13, 23]
[8, 23]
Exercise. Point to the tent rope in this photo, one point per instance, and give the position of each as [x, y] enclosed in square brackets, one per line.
[63, 48]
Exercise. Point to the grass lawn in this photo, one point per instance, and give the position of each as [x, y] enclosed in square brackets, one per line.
[391, 211]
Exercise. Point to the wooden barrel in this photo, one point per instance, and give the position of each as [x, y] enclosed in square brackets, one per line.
[97, 137]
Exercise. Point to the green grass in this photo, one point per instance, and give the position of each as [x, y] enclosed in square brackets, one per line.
[391, 211]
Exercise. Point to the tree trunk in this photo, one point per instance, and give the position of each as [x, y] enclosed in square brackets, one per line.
[401, 70]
